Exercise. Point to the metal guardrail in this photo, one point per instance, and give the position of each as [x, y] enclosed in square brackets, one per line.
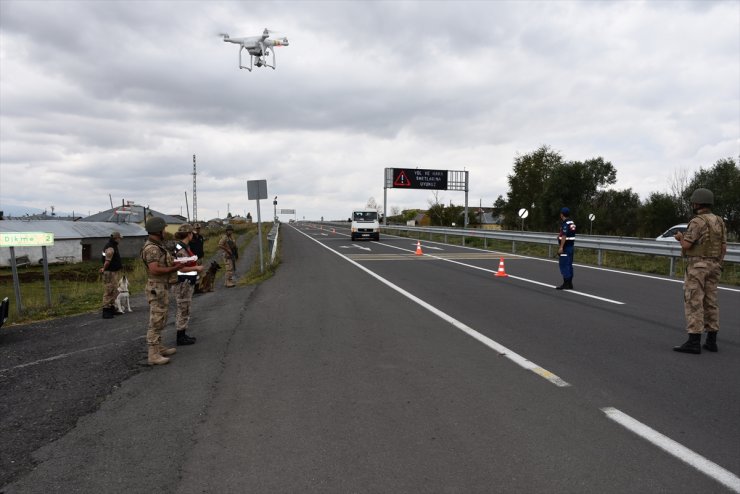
[598, 243]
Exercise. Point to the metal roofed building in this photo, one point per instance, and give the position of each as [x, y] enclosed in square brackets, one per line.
[74, 241]
[134, 214]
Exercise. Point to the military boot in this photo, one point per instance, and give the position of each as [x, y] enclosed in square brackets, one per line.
[108, 313]
[711, 342]
[166, 352]
[155, 358]
[692, 345]
[184, 339]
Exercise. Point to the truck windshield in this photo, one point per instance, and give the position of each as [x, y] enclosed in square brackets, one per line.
[365, 215]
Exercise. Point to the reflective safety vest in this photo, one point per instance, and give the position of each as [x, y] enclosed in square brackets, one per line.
[189, 276]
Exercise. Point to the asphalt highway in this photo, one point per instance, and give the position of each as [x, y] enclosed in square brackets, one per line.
[363, 367]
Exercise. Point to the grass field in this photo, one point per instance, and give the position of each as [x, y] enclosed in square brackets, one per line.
[77, 288]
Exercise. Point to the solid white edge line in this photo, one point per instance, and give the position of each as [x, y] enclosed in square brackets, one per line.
[500, 349]
[574, 292]
[707, 467]
[65, 355]
[585, 266]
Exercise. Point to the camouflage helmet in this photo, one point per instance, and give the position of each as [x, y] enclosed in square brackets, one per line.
[116, 234]
[196, 226]
[155, 225]
[229, 228]
[702, 196]
[185, 228]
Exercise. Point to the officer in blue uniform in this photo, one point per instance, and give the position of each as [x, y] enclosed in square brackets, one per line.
[566, 239]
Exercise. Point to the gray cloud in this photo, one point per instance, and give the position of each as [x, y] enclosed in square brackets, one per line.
[101, 98]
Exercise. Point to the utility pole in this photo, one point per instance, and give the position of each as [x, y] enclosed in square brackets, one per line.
[195, 196]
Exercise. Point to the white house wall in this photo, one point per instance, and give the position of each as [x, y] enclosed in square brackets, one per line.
[62, 249]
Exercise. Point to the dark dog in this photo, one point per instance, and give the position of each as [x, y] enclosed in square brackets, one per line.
[206, 283]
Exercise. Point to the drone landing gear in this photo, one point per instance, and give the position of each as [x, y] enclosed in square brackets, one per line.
[240, 61]
[256, 60]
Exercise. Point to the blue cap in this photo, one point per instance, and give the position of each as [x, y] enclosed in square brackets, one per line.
[565, 211]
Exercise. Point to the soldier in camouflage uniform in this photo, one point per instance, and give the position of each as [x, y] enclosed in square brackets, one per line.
[186, 281]
[704, 245]
[228, 249]
[111, 270]
[161, 274]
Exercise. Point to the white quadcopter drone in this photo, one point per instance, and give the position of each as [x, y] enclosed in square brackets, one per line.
[259, 48]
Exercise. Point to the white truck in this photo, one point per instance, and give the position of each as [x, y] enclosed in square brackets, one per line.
[365, 224]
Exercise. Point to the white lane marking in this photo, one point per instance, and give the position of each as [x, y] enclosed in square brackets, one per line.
[527, 280]
[707, 467]
[499, 348]
[426, 246]
[585, 266]
[354, 246]
[65, 355]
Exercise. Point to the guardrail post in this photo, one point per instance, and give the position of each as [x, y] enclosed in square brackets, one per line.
[485, 242]
[513, 246]
[672, 267]
[598, 261]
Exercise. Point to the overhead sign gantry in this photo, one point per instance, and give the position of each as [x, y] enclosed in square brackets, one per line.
[416, 178]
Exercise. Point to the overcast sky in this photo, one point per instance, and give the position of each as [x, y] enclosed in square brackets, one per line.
[102, 98]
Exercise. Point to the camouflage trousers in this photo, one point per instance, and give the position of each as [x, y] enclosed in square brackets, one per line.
[229, 275]
[700, 295]
[110, 288]
[157, 294]
[184, 296]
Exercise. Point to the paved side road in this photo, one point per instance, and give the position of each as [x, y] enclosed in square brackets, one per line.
[54, 374]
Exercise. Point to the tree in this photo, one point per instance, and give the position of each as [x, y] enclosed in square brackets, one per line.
[657, 214]
[371, 204]
[723, 179]
[576, 185]
[678, 187]
[527, 184]
[617, 212]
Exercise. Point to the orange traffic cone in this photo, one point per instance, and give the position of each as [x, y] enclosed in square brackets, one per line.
[418, 248]
[501, 271]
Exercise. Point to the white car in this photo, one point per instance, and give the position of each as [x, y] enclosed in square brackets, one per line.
[667, 236]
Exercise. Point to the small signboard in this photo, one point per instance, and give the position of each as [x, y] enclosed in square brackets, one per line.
[287, 211]
[26, 239]
[256, 189]
[419, 179]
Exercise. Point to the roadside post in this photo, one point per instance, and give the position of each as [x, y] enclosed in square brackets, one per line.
[256, 190]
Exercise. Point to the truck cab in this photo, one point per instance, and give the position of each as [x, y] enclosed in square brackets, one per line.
[365, 224]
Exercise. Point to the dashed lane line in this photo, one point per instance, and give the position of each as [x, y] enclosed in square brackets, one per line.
[497, 347]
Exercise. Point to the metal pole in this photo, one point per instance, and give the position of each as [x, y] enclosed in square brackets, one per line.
[16, 282]
[259, 236]
[47, 285]
[465, 223]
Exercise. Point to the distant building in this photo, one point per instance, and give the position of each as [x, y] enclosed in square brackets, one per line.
[74, 241]
[135, 214]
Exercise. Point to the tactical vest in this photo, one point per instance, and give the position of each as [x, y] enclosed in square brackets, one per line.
[165, 260]
[709, 243]
[115, 262]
